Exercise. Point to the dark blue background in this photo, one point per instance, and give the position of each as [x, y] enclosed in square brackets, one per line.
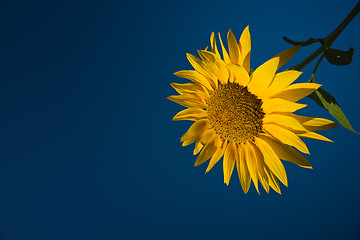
[88, 148]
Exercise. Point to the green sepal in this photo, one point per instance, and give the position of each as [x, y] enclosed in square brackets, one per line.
[327, 101]
[339, 57]
[251, 72]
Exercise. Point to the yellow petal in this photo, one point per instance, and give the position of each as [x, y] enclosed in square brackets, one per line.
[250, 158]
[297, 91]
[264, 180]
[213, 44]
[315, 124]
[203, 139]
[314, 135]
[280, 82]
[260, 167]
[188, 100]
[240, 74]
[263, 76]
[195, 77]
[224, 52]
[190, 141]
[198, 147]
[215, 65]
[286, 55]
[233, 49]
[273, 182]
[286, 137]
[262, 176]
[286, 152]
[272, 160]
[243, 172]
[229, 161]
[306, 134]
[246, 63]
[218, 154]
[202, 68]
[284, 120]
[221, 70]
[207, 136]
[245, 48]
[193, 88]
[207, 152]
[193, 114]
[196, 129]
[245, 42]
[280, 105]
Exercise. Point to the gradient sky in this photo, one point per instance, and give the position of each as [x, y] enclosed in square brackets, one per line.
[88, 147]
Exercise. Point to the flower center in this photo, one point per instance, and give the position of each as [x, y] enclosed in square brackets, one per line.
[235, 113]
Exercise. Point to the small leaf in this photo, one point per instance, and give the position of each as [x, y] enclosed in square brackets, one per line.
[339, 57]
[327, 101]
[304, 43]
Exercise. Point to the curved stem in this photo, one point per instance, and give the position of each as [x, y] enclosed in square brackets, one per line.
[332, 36]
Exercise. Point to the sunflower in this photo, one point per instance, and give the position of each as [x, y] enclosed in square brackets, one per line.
[244, 116]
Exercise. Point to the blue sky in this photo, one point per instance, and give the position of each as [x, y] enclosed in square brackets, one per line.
[88, 147]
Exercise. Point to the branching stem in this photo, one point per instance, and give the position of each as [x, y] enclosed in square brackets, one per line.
[329, 40]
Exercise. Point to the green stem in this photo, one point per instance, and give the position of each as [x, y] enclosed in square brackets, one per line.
[329, 40]
[312, 79]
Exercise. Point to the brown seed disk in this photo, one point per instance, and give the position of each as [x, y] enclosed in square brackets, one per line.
[235, 113]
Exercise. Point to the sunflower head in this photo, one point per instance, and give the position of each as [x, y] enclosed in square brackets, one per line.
[246, 117]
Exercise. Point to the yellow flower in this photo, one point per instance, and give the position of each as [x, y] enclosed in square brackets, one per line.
[246, 118]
